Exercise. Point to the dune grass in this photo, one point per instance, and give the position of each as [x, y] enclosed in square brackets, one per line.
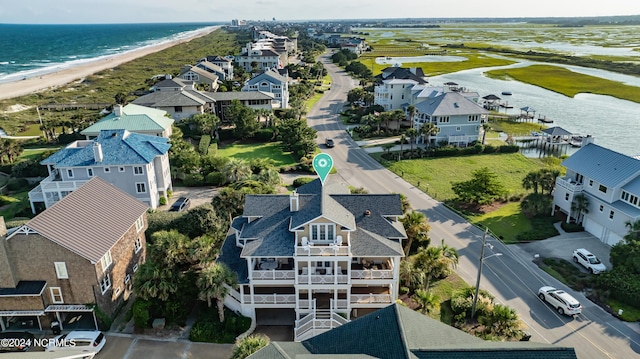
[567, 82]
[250, 151]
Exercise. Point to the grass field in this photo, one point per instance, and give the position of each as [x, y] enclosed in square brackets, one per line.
[507, 221]
[437, 174]
[444, 288]
[249, 151]
[567, 82]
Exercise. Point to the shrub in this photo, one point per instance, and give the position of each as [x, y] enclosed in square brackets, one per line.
[215, 178]
[193, 180]
[509, 149]
[209, 329]
[5, 200]
[302, 181]
[141, 314]
[490, 149]
[571, 227]
[162, 200]
[203, 145]
[264, 135]
[404, 290]
[16, 184]
[213, 149]
[169, 193]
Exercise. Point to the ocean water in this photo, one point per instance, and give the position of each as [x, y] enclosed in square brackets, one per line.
[33, 50]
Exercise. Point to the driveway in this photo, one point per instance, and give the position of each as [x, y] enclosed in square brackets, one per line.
[198, 196]
[130, 347]
[562, 246]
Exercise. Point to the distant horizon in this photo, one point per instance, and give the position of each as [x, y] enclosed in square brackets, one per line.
[216, 23]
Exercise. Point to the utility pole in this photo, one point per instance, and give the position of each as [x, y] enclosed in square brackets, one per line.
[475, 296]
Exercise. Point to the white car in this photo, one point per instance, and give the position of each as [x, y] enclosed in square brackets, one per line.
[588, 260]
[562, 301]
[91, 341]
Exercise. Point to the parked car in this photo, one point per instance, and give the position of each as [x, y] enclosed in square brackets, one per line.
[91, 341]
[589, 261]
[562, 301]
[329, 142]
[181, 204]
[16, 341]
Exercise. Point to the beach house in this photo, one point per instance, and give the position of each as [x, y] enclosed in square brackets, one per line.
[256, 100]
[395, 87]
[179, 98]
[137, 164]
[133, 118]
[315, 258]
[271, 81]
[601, 190]
[225, 63]
[77, 254]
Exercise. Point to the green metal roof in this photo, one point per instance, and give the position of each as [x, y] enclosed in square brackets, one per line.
[134, 118]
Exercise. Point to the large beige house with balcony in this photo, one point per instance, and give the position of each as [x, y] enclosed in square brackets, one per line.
[610, 183]
[317, 257]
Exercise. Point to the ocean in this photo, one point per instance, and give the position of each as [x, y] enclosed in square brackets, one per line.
[34, 50]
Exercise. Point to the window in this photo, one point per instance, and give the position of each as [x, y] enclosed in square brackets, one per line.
[137, 170]
[139, 223]
[601, 208]
[443, 119]
[602, 189]
[458, 128]
[177, 109]
[611, 214]
[89, 172]
[56, 295]
[135, 268]
[566, 196]
[61, 270]
[70, 173]
[137, 246]
[105, 283]
[107, 170]
[590, 183]
[127, 279]
[322, 232]
[106, 261]
[118, 291]
[141, 188]
[121, 169]
[264, 84]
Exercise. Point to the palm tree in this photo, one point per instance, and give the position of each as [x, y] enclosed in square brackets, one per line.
[428, 129]
[412, 133]
[485, 128]
[236, 170]
[214, 282]
[412, 112]
[436, 262]
[155, 281]
[580, 205]
[502, 321]
[417, 228]
[531, 181]
[634, 231]
[410, 275]
[249, 345]
[426, 301]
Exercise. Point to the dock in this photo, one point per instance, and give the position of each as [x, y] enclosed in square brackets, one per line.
[544, 119]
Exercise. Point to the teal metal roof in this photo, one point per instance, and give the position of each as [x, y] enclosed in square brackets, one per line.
[134, 118]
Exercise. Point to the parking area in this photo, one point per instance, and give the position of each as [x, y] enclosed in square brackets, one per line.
[128, 347]
[197, 195]
[562, 246]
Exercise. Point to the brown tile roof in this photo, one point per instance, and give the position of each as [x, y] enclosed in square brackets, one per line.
[90, 220]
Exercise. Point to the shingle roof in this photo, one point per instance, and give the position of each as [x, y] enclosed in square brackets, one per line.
[202, 72]
[603, 165]
[270, 76]
[134, 118]
[450, 103]
[170, 99]
[24, 287]
[119, 147]
[230, 256]
[556, 131]
[90, 220]
[402, 73]
[399, 332]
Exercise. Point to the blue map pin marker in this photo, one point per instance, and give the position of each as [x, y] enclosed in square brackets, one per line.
[322, 163]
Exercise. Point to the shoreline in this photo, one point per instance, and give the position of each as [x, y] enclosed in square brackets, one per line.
[9, 90]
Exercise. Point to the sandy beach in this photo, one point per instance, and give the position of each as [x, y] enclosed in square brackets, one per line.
[38, 83]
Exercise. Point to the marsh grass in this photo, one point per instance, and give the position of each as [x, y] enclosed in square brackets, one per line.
[567, 82]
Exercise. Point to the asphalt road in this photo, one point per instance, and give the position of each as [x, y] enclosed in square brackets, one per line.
[511, 277]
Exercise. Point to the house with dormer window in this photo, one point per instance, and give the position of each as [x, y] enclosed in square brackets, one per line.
[82, 250]
[320, 256]
[137, 164]
[273, 82]
[610, 182]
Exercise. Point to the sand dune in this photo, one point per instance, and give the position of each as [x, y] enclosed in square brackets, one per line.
[39, 83]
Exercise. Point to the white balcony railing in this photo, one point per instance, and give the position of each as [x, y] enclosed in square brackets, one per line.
[370, 298]
[49, 184]
[322, 279]
[270, 298]
[569, 184]
[372, 274]
[330, 250]
[273, 275]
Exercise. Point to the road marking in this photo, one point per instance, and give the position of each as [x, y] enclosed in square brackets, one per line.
[186, 352]
[131, 346]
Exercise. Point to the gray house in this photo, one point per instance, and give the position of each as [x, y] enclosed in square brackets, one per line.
[137, 164]
[610, 184]
[273, 82]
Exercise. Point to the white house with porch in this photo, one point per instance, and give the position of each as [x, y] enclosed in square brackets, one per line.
[318, 257]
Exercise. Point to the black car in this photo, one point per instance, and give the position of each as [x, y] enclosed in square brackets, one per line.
[16, 341]
[181, 204]
[329, 142]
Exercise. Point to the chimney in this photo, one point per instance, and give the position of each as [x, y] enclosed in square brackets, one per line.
[97, 152]
[293, 202]
[3, 227]
[117, 110]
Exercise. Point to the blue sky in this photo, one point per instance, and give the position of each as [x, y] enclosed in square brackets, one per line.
[128, 11]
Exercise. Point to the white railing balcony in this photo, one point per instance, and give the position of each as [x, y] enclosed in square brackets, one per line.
[234, 294]
[50, 184]
[323, 250]
[569, 184]
[381, 89]
[270, 298]
[370, 298]
[36, 194]
[339, 304]
[322, 279]
[273, 274]
[372, 274]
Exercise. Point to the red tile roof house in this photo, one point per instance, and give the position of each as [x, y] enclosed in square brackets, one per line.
[83, 250]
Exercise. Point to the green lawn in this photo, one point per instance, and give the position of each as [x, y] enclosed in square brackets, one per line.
[249, 151]
[30, 153]
[506, 222]
[567, 82]
[437, 174]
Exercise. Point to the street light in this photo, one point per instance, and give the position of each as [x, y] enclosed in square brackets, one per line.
[482, 258]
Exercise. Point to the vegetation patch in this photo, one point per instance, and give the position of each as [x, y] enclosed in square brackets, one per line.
[208, 327]
[250, 151]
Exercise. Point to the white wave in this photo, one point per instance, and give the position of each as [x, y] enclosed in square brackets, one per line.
[4, 62]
